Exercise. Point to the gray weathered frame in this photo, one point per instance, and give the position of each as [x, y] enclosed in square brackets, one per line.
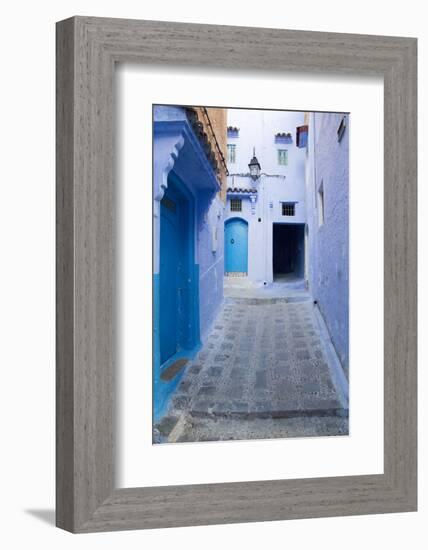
[87, 50]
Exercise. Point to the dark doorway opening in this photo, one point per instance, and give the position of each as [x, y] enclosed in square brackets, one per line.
[288, 251]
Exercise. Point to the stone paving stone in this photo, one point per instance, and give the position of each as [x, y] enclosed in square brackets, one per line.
[242, 361]
[262, 363]
[300, 344]
[283, 389]
[214, 371]
[281, 372]
[237, 373]
[207, 390]
[235, 391]
[184, 386]
[180, 402]
[282, 356]
[311, 387]
[261, 379]
[221, 358]
[167, 424]
[202, 406]
[195, 369]
[226, 348]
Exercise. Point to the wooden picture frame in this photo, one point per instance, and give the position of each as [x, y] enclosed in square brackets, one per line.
[87, 50]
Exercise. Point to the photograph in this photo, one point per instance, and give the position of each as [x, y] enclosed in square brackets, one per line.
[250, 274]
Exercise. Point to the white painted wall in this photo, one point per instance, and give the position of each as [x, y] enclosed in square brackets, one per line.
[277, 184]
[27, 352]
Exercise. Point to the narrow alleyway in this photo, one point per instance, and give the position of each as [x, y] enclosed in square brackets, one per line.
[266, 370]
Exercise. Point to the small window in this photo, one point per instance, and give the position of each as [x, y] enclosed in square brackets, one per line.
[231, 153]
[302, 136]
[288, 208]
[321, 205]
[283, 157]
[235, 205]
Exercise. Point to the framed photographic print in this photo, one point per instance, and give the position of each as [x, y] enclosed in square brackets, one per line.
[236, 274]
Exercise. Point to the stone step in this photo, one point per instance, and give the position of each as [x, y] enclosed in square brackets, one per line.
[242, 411]
[269, 301]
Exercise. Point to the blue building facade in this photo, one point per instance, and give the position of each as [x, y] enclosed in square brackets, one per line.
[188, 243]
[327, 181]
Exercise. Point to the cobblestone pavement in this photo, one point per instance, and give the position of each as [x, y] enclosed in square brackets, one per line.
[262, 373]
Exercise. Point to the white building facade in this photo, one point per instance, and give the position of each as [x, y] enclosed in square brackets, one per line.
[266, 210]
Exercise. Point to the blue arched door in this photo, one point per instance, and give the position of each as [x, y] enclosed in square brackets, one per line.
[236, 246]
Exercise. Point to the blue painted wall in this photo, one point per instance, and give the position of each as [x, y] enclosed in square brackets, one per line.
[210, 247]
[183, 175]
[328, 165]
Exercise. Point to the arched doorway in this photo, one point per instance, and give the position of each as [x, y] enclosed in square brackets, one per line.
[236, 246]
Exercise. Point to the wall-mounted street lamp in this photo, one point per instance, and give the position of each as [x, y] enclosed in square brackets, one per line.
[254, 166]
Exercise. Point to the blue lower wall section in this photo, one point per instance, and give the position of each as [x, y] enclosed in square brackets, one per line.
[162, 390]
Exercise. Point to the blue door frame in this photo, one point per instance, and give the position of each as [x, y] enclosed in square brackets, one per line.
[236, 246]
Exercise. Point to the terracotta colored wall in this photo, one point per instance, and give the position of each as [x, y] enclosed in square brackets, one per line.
[217, 136]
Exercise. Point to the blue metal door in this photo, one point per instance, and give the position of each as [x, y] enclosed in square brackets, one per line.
[236, 246]
[169, 268]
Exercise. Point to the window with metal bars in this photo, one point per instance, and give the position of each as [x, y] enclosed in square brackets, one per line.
[231, 153]
[283, 157]
[288, 208]
[235, 205]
